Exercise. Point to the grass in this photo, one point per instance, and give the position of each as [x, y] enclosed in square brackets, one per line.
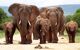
[2, 33]
[77, 38]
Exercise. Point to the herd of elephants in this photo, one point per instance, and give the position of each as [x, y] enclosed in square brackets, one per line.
[44, 23]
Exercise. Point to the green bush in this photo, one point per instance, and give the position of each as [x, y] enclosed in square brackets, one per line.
[3, 18]
[74, 17]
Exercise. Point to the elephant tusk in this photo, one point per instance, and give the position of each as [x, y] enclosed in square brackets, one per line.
[55, 23]
[20, 22]
[29, 23]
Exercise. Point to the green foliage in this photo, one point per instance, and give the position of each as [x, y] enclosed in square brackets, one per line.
[78, 11]
[68, 18]
[75, 17]
[3, 17]
[1, 34]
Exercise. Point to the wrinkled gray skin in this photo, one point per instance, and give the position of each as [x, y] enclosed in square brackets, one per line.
[24, 17]
[42, 28]
[9, 29]
[56, 17]
[71, 29]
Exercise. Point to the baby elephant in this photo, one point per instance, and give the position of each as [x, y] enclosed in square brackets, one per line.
[42, 27]
[9, 29]
[71, 28]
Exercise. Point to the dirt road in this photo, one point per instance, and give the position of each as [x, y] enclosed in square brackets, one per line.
[61, 45]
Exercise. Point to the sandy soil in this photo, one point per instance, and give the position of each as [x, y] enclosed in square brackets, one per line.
[61, 45]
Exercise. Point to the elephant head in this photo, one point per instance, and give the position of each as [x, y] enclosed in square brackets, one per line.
[71, 26]
[42, 27]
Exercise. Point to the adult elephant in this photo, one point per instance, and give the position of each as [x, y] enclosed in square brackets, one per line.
[71, 28]
[42, 28]
[24, 17]
[61, 20]
[9, 29]
[56, 17]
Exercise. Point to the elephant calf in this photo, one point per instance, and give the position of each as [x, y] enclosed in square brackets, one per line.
[71, 28]
[42, 27]
[9, 29]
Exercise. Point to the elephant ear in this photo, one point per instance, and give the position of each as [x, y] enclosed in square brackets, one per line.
[43, 9]
[66, 26]
[59, 8]
[13, 8]
[76, 25]
[35, 10]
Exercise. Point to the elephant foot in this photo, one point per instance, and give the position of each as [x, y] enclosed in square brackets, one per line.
[29, 41]
[22, 42]
[11, 42]
[35, 38]
[26, 42]
[71, 42]
[42, 42]
[49, 41]
[8, 42]
[55, 42]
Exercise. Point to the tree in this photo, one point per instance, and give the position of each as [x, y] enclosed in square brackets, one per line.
[77, 11]
[76, 17]
[68, 18]
[3, 16]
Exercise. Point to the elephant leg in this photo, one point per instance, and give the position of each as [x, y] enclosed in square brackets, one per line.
[29, 37]
[35, 35]
[23, 39]
[41, 39]
[54, 36]
[11, 34]
[49, 38]
[70, 38]
[44, 39]
[7, 37]
[11, 38]
[73, 38]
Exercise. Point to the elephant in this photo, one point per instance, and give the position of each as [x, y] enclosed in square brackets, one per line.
[42, 14]
[71, 29]
[24, 18]
[56, 16]
[42, 27]
[9, 29]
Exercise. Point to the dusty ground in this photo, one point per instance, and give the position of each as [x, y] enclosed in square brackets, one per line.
[61, 45]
